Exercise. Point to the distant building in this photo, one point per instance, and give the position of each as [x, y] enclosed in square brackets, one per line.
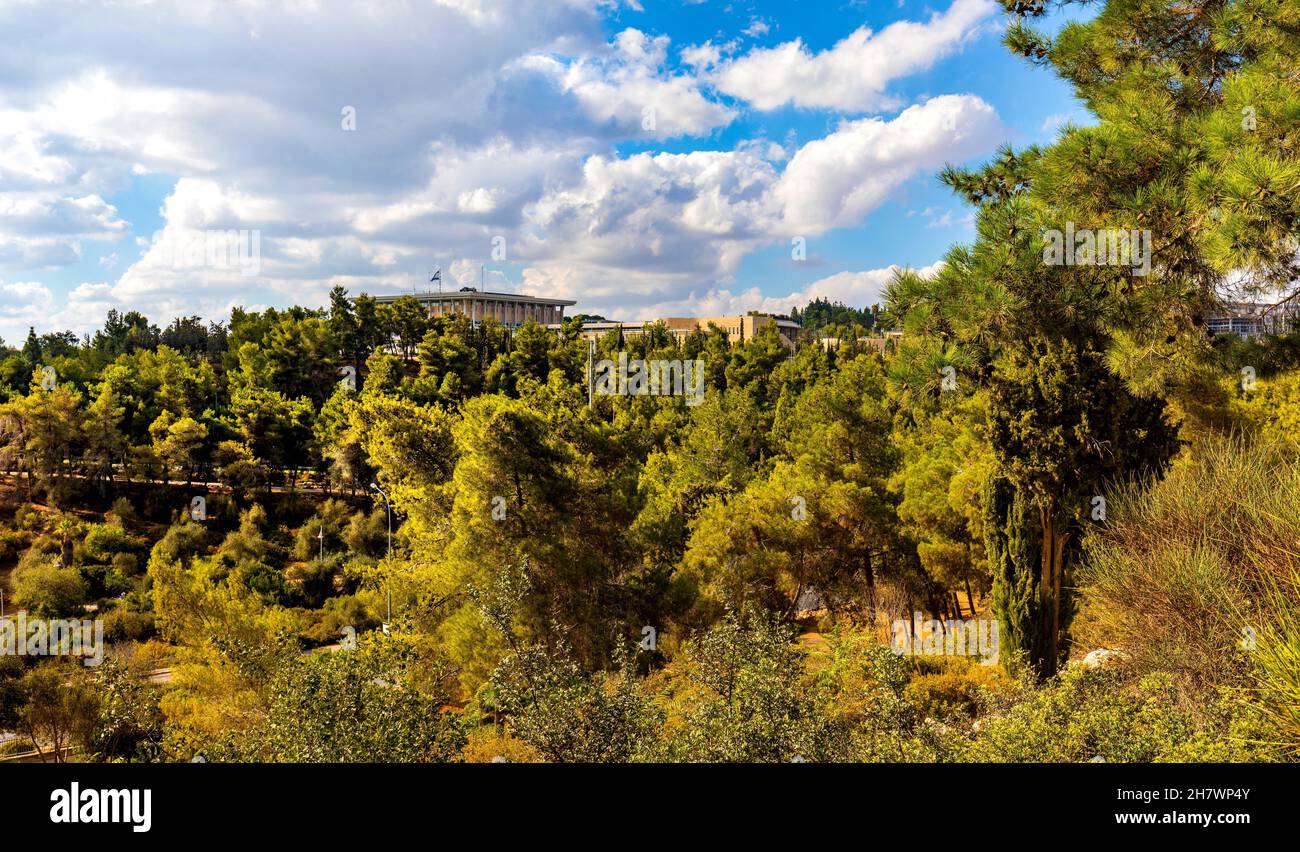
[888, 341]
[738, 328]
[1250, 319]
[509, 309]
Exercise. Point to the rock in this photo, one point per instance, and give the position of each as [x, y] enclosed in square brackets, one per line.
[1102, 658]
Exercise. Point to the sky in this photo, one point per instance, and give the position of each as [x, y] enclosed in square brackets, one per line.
[644, 158]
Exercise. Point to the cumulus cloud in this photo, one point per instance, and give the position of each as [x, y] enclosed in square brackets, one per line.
[32, 304]
[625, 89]
[854, 74]
[46, 229]
[834, 181]
[650, 228]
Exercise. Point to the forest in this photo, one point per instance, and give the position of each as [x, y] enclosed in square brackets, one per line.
[361, 533]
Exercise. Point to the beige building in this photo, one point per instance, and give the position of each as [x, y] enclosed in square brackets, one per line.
[886, 343]
[738, 328]
[510, 309]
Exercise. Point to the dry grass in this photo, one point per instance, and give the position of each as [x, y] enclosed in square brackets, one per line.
[1187, 571]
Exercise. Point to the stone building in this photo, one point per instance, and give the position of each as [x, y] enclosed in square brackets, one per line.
[509, 309]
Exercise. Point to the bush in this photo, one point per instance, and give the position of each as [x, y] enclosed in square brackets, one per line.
[121, 624]
[122, 514]
[348, 706]
[104, 541]
[28, 517]
[1181, 568]
[331, 518]
[126, 564]
[368, 534]
[314, 584]
[325, 626]
[959, 691]
[1085, 714]
[492, 745]
[12, 543]
[149, 655]
[105, 582]
[182, 543]
[743, 696]
[48, 590]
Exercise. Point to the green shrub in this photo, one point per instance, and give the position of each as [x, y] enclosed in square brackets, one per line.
[944, 694]
[47, 590]
[325, 626]
[104, 541]
[122, 514]
[122, 624]
[28, 517]
[126, 564]
[13, 543]
[1086, 714]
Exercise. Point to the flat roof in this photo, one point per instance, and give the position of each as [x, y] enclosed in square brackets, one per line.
[458, 295]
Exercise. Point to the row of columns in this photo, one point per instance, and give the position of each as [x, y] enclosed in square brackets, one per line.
[511, 313]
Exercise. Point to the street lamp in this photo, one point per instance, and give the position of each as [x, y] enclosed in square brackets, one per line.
[374, 486]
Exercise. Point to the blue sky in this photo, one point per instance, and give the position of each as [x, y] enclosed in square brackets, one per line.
[643, 158]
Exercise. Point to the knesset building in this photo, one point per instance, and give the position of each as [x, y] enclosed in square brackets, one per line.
[509, 309]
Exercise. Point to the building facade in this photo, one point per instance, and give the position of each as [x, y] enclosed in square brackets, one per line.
[1250, 319]
[738, 328]
[509, 309]
[887, 342]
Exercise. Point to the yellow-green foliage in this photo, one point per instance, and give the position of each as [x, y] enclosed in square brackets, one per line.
[1086, 714]
[1175, 575]
[1273, 408]
[947, 685]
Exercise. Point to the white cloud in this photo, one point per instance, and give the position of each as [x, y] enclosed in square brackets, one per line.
[44, 229]
[701, 56]
[25, 304]
[626, 88]
[852, 75]
[835, 181]
[936, 218]
[650, 228]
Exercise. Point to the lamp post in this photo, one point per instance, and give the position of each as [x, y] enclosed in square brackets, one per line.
[389, 506]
